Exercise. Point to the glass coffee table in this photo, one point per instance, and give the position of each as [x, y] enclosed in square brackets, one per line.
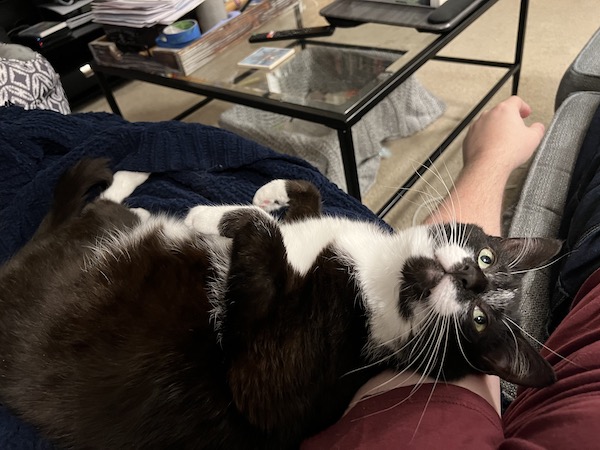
[332, 81]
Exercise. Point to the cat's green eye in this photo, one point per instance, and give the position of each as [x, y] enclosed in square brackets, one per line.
[486, 258]
[479, 319]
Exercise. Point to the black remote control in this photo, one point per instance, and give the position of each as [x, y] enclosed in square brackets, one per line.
[299, 33]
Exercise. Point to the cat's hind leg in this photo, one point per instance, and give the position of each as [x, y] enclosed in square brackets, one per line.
[302, 198]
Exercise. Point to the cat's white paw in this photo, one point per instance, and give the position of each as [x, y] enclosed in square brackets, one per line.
[271, 196]
[204, 219]
[143, 214]
[123, 185]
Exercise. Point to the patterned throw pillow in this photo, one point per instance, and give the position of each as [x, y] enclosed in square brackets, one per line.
[27, 79]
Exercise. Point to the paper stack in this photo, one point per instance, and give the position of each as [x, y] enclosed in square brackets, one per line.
[141, 13]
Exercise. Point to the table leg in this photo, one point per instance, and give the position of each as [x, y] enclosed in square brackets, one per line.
[349, 161]
[520, 43]
[108, 94]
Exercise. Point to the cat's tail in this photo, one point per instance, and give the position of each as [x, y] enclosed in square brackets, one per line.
[71, 193]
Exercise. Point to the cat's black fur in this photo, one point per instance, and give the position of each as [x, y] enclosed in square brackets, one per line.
[127, 352]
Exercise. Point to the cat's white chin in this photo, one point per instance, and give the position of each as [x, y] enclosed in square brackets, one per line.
[443, 297]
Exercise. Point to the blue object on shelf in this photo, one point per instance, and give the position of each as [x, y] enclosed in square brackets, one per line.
[179, 34]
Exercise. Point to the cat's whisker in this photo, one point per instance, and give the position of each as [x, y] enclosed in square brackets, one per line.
[423, 323]
[424, 193]
[417, 165]
[419, 324]
[462, 332]
[383, 410]
[456, 234]
[530, 336]
[376, 390]
[420, 340]
[423, 348]
[426, 203]
[445, 330]
[522, 252]
[451, 208]
[466, 235]
[426, 199]
[424, 367]
[544, 266]
[439, 330]
[424, 373]
[512, 333]
[436, 198]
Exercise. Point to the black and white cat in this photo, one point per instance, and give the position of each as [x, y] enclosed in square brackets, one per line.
[232, 330]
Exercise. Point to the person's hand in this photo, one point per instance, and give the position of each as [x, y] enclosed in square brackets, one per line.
[501, 138]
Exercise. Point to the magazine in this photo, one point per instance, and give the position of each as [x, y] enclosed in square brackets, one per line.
[267, 57]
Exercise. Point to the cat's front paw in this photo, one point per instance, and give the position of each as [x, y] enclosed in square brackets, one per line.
[272, 196]
[204, 218]
[209, 219]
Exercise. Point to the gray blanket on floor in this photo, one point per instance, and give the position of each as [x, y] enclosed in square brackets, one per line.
[405, 111]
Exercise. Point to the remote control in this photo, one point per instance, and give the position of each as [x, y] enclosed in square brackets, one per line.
[299, 33]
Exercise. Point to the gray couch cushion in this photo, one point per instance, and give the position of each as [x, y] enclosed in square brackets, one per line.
[584, 73]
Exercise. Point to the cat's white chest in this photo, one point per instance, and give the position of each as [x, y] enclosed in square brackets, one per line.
[305, 240]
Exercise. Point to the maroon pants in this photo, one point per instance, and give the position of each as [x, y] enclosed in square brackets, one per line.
[563, 416]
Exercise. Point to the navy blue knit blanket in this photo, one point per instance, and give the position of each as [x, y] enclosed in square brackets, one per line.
[191, 164]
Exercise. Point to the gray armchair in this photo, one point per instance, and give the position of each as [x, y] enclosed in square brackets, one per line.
[584, 72]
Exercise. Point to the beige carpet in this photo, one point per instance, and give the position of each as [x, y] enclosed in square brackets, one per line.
[556, 32]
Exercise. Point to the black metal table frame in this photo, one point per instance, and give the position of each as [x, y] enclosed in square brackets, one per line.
[343, 122]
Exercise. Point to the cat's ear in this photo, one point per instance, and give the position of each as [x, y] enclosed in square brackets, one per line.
[518, 362]
[529, 253]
